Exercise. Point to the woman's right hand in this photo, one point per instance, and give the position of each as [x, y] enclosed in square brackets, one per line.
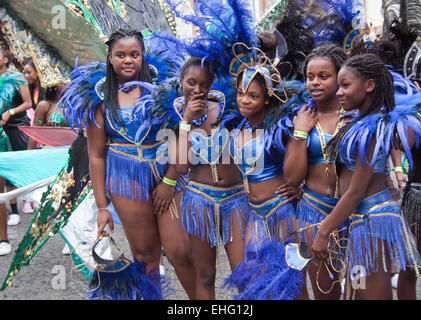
[305, 120]
[103, 218]
[195, 108]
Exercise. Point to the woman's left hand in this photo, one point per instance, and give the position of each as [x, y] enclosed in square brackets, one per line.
[162, 196]
[287, 190]
[319, 248]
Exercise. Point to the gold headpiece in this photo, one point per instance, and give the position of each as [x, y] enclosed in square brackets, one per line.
[49, 75]
[246, 61]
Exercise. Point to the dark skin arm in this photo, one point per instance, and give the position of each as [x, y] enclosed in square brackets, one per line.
[349, 201]
[39, 120]
[163, 194]
[195, 106]
[97, 138]
[295, 163]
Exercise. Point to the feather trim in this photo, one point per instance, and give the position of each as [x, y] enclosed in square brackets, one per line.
[83, 94]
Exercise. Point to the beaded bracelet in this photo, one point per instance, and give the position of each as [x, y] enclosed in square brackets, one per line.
[169, 182]
[300, 134]
[106, 209]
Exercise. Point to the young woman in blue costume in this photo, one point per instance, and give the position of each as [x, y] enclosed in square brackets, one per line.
[379, 239]
[257, 148]
[130, 174]
[307, 161]
[214, 205]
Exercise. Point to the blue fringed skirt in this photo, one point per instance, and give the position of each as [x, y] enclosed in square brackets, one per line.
[311, 210]
[205, 209]
[272, 219]
[377, 227]
[133, 172]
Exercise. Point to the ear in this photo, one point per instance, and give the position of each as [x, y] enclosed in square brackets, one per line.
[370, 85]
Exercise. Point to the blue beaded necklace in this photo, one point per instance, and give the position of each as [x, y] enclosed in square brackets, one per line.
[249, 127]
[124, 88]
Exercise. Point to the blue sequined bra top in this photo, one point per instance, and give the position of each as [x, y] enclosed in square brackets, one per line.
[254, 160]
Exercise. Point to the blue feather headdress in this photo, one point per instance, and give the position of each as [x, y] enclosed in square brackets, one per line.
[219, 27]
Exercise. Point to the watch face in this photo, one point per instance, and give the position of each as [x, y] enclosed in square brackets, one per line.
[412, 66]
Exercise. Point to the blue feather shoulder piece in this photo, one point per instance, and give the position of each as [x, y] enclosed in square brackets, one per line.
[9, 82]
[83, 94]
[390, 130]
[279, 125]
[156, 106]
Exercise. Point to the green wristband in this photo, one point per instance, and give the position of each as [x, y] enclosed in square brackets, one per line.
[397, 169]
[169, 182]
[185, 126]
[300, 134]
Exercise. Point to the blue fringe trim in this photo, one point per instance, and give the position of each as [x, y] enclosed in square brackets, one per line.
[265, 275]
[197, 216]
[130, 178]
[279, 225]
[364, 248]
[131, 283]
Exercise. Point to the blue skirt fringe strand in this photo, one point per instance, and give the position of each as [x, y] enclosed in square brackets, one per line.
[205, 209]
[311, 210]
[377, 227]
[272, 219]
[265, 272]
[133, 172]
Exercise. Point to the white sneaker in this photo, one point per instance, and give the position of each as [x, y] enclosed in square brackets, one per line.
[14, 220]
[26, 207]
[66, 250]
[395, 278]
[5, 248]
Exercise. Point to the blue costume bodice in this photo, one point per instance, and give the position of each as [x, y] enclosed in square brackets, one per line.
[349, 162]
[122, 135]
[256, 162]
[314, 149]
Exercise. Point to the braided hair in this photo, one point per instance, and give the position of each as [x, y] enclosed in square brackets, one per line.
[110, 86]
[367, 66]
[331, 51]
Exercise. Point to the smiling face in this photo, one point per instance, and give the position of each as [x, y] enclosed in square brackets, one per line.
[354, 91]
[321, 79]
[252, 103]
[126, 59]
[194, 81]
[30, 74]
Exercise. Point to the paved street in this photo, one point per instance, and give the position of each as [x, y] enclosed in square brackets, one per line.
[36, 281]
